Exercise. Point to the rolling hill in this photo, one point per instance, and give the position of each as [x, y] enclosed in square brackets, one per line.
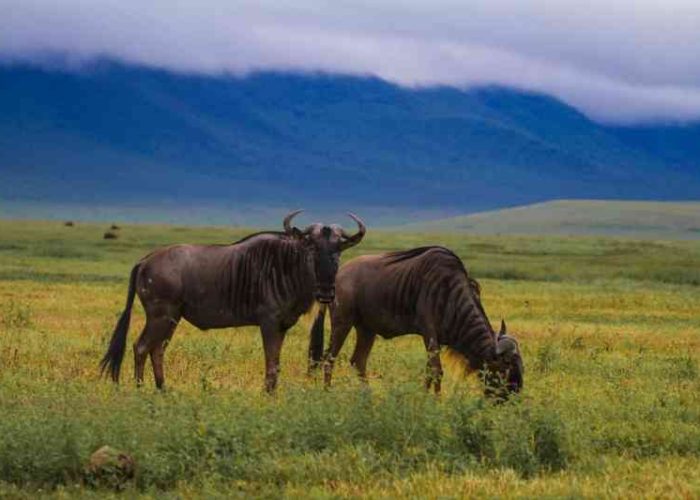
[663, 220]
[113, 134]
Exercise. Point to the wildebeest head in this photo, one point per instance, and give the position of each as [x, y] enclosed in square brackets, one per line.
[325, 243]
[505, 372]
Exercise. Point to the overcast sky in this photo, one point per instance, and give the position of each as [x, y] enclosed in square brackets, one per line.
[617, 61]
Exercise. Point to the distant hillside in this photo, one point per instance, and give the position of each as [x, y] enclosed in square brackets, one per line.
[113, 133]
[581, 217]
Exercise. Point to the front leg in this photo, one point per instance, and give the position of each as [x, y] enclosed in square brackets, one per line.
[273, 337]
[316, 340]
[434, 367]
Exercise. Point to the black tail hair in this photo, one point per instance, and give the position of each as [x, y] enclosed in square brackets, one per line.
[316, 339]
[112, 360]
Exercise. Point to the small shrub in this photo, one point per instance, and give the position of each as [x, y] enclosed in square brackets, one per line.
[546, 357]
[517, 453]
[578, 344]
[473, 429]
[16, 316]
[513, 440]
[685, 367]
[527, 440]
[550, 442]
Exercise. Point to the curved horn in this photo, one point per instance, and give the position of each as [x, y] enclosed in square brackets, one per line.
[351, 241]
[288, 219]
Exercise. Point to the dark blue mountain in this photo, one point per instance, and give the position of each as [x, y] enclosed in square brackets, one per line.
[115, 133]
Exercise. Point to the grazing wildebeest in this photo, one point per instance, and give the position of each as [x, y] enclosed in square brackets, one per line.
[267, 279]
[426, 291]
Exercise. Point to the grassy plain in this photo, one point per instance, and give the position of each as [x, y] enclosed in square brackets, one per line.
[638, 219]
[610, 331]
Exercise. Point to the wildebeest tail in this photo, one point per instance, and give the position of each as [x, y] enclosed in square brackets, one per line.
[112, 360]
[316, 340]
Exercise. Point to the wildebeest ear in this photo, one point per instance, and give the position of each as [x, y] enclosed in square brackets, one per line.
[296, 233]
[503, 329]
[506, 346]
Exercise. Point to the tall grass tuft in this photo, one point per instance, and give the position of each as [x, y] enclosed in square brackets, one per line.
[16, 315]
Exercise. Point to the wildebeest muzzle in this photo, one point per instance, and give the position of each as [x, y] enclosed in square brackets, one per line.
[325, 296]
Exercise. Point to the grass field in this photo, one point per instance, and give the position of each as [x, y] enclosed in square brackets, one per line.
[610, 333]
[638, 219]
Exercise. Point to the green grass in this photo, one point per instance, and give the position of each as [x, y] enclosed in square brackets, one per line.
[638, 219]
[611, 407]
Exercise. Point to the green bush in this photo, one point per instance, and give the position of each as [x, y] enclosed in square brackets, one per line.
[16, 315]
[547, 355]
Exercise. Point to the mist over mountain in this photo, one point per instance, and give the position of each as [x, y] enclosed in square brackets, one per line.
[116, 133]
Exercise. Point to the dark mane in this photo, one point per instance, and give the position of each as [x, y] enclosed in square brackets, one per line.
[475, 286]
[259, 233]
[268, 267]
[402, 255]
[455, 296]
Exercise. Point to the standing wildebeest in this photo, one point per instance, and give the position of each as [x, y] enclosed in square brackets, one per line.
[267, 279]
[426, 291]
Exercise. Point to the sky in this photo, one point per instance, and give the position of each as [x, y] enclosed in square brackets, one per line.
[618, 61]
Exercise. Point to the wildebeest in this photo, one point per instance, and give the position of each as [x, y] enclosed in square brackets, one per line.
[110, 235]
[427, 291]
[267, 279]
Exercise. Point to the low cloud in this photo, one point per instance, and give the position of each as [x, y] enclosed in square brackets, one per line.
[618, 62]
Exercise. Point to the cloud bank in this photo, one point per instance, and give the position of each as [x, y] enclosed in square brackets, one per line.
[618, 62]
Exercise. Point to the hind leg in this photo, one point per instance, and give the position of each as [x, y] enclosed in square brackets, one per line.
[160, 326]
[157, 357]
[140, 354]
[365, 341]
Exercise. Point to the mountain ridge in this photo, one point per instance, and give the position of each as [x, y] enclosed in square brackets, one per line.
[117, 132]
